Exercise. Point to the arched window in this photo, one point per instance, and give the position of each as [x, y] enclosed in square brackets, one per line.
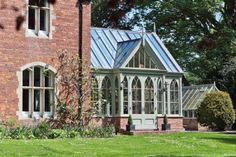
[94, 93]
[174, 98]
[125, 96]
[116, 96]
[106, 96]
[149, 96]
[159, 97]
[37, 89]
[136, 96]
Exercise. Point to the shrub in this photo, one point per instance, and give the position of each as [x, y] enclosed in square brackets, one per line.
[57, 133]
[100, 132]
[41, 131]
[216, 111]
[130, 120]
[19, 133]
[3, 132]
[44, 131]
[165, 120]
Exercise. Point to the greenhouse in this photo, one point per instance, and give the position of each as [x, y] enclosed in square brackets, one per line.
[136, 75]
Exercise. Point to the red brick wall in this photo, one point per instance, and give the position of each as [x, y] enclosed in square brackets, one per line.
[118, 122]
[175, 122]
[121, 122]
[17, 50]
[192, 124]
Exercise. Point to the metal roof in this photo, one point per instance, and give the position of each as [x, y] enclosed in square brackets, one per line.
[110, 48]
[194, 95]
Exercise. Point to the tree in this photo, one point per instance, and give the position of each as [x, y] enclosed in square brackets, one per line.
[201, 35]
[113, 13]
[72, 108]
[216, 111]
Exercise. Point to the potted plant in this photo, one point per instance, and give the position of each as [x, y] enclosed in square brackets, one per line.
[130, 126]
[165, 125]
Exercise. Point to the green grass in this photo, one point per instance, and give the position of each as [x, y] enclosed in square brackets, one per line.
[180, 144]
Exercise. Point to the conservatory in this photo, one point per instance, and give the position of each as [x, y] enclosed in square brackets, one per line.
[135, 75]
[192, 98]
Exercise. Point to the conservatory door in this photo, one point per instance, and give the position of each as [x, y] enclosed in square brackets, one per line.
[144, 117]
[149, 116]
[143, 108]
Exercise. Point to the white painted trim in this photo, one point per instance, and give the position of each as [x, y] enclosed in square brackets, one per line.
[168, 52]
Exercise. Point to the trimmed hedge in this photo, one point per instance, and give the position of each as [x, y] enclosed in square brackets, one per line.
[216, 111]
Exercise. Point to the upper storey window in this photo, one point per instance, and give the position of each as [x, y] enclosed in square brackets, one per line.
[39, 17]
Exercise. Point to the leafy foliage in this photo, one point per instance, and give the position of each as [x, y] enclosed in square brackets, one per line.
[201, 34]
[110, 13]
[216, 111]
[165, 119]
[44, 131]
[73, 106]
[130, 120]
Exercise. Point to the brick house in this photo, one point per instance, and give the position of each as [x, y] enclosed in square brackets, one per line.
[32, 50]
[145, 87]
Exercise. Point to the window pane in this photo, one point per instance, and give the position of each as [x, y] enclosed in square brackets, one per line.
[136, 96]
[25, 100]
[125, 107]
[49, 79]
[125, 91]
[152, 64]
[26, 79]
[48, 100]
[33, 2]
[43, 3]
[159, 108]
[147, 61]
[43, 20]
[136, 60]
[131, 63]
[36, 100]
[37, 77]
[141, 59]
[106, 96]
[31, 19]
[137, 109]
[116, 96]
[166, 104]
[149, 108]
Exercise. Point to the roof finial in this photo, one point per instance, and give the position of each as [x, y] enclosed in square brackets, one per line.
[143, 35]
[154, 28]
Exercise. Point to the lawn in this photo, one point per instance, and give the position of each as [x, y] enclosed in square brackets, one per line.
[180, 144]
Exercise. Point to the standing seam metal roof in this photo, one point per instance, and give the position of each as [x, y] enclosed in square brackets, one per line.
[110, 48]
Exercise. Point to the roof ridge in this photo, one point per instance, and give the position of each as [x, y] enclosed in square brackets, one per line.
[131, 40]
[197, 86]
[124, 30]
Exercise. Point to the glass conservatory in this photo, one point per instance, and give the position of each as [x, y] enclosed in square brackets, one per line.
[135, 75]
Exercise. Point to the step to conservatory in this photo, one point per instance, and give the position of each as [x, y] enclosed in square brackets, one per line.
[149, 132]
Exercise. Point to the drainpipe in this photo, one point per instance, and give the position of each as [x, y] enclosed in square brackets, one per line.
[81, 58]
[80, 28]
